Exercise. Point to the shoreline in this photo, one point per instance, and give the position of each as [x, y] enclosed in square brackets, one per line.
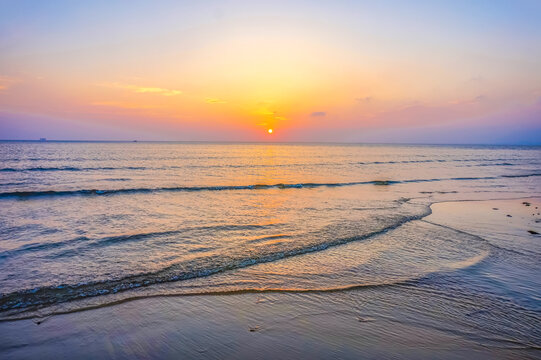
[358, 317]
[35, 314]
[430, 212]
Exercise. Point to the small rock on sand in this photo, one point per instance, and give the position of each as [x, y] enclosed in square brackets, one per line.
[364, 319]
[40, 320]
[533, 232]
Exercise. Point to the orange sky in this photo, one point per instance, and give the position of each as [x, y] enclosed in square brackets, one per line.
[344, 71]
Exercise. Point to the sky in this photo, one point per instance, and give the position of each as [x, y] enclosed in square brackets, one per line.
[331, 71]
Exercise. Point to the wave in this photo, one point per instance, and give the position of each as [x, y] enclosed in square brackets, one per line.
[40, 247]
[94, 192]
[49, 295]
[497, 248]
[70, 168]
[484, 162]
[495, 164]
[405, 282]
[31, 315]
[115, 239]
[487, 161]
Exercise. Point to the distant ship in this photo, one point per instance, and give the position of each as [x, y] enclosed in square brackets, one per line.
[42, 139]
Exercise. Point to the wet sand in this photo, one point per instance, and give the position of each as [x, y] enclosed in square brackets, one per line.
[400, 321]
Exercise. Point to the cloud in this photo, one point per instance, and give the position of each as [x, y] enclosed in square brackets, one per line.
[480, 98]
[476, 79]
[470, 101]
[318, 113]
[270, 114]
[121, 105]
[215, 101]
[265, 112]
[365, 99]
[143, 89]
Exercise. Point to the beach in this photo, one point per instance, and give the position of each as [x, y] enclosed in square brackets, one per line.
[411, 320]
[270, 179]
[209, 250]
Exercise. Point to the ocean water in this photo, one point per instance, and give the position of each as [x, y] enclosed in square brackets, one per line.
[91, 224]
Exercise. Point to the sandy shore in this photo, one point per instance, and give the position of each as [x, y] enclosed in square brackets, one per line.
[371, 323]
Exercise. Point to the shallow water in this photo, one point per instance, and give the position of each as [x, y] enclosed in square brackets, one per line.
[89, 224]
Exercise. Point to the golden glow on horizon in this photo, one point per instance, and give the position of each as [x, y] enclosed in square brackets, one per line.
[316, 73]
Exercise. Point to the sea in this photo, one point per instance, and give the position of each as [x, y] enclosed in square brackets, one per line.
[93, 224]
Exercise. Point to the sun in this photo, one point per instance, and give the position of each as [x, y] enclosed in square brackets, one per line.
[269, 131]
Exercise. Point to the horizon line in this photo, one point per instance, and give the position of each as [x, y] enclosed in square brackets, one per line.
[268, 142]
